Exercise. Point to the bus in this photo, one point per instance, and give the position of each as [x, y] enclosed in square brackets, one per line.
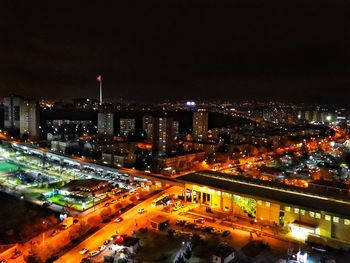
[159, 200]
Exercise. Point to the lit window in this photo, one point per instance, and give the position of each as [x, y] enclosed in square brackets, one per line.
[347, 222]
[312, 214]
[335, 219]
[267, 204]
[259, 202]
[318, 215]
[287, 208]
[302, 211]
[296, 210]
[327, 217]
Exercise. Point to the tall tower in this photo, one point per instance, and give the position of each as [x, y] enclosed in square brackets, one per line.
[200, 125]
[12, 106]
[162, 135]
[29, 118]
[105, 122]
[147, 126]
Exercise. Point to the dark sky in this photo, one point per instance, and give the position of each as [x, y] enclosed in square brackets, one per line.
[170, 49]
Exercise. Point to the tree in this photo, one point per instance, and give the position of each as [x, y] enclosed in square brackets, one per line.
[94, 220]
[33, 258]
[106, 213]
[133, 198]
[180, 259]
[118, 206]
[188, 253]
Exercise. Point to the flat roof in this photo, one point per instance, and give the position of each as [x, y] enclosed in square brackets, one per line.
[159, 219]
[288, 195]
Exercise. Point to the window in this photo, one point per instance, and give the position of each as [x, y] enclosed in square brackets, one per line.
[302, 211]
[312, 214]
[287, 208]
[268, 204]
[335, 219]
[346, 222]
[296, 210]
[259, 202]
[327, 217]
[318, 215]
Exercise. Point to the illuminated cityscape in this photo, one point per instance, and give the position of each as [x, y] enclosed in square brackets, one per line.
[174, 132]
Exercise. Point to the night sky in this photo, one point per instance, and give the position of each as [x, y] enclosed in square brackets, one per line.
[177, 49]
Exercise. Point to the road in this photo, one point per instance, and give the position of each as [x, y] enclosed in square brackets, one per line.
[130, 218]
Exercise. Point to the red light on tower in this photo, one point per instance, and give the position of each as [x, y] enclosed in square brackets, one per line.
[99, 78]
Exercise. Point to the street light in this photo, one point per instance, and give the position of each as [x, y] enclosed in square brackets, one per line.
[44, 231]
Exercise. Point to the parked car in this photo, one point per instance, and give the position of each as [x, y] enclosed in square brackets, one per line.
[84, 251]
[226, 233]
[16, 254]
[101, 248]
[47, 203]
[319, 248]
[200, 220]
[94, 253]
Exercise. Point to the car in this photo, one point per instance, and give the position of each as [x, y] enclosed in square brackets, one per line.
[106, 242]
[118, 219]
[85, 260]
[106, 204]
[16, 254]
[113, 237]
[84, 251]
[141, 210]
[216, 231]
[101, 248]
[226, 233]
[47, 203]
[319, 248]
[94, 253]
[3, 260]
[199, 220]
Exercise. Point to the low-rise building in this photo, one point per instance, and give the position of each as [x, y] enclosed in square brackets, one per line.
[223, 254]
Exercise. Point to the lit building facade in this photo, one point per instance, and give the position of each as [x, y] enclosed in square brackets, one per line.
[147, 127]
[175, 130]
[302, 213]
[29, 118]
[200, 125]
[162, 135]
[12, 106]
[105, 122]
[127, 126]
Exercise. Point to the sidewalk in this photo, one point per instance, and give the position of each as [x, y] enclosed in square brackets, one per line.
[244, 224]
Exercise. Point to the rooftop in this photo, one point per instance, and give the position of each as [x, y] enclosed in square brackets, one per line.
[289, 195]
[223, 250]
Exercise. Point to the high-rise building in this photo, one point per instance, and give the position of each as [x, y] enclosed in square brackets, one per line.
[162, 135]
[105, 122]
[147, 127]
[175, 130]
[12, 106]
[200, 125]
[29, 118]
[127, 126]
